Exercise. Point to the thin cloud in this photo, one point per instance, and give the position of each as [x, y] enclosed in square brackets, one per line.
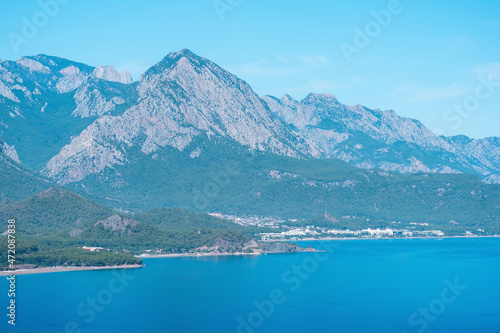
[314, 60]
[404, 88]
[284, 60]
[281, 66]
[261, 68]
[432, 94]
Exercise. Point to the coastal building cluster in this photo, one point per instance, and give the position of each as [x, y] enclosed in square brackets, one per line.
[253, 220]
[288, 229]
[315, 232]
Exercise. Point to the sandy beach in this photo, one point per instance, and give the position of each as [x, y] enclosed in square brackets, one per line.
[63, 269]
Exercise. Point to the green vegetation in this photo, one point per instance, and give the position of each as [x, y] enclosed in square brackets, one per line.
[53, 226]
[227, 179]
[51, 211]
[47, 131]
[30, 252]
[17, 182]
[78, 257]
[144, 237]
[61, 249]
[182, 220]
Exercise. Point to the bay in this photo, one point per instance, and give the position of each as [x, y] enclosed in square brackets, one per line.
[417, 285]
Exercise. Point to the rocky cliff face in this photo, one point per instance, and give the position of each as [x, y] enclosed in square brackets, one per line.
[72, 120]
[179, 99]
[118, 223]
[371, 138]
[44, 100]
[9, 151]
[109, 73]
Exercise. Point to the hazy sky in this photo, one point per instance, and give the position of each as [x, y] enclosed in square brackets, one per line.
[437, 61]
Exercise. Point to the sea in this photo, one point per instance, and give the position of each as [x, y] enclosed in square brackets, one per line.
[399, 285]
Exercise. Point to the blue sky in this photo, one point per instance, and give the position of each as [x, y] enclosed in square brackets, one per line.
[436, 61]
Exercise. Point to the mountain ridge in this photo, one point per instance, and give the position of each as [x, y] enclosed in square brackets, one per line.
[185, 96]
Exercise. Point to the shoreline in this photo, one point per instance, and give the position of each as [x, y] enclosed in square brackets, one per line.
[193, 255]
[210, 254]
[40, 270]
[377, 238]
[196, 255]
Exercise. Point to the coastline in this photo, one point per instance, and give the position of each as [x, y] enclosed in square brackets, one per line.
[377, 238]
[193, 255]
[40, 270]
[196, 255]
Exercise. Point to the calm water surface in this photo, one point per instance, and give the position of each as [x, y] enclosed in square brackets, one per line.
[450, 285]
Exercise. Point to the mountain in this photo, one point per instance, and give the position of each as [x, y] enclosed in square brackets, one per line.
[483, 155]
[190, 134]
[45, 101]
[72, 120]
[109, 73]
[180, 98]
[371, 138]
[272, 185]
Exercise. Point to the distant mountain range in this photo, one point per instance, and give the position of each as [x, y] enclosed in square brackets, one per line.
[187, 124]
[70, 120]
[371, 138]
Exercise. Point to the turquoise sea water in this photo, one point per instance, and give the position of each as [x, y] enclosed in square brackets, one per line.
[450, 285]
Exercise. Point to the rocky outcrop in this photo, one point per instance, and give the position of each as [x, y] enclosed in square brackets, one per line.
[109, 73]
[118, 223]
[9, 151]
[280, 247]
[222, 245]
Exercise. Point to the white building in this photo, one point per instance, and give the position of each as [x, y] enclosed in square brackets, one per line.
[378, 232]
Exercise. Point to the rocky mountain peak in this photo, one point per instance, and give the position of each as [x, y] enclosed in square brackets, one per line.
[186, 97]
[56, 64]
[109, 73]
[183, 58]
[53, 192]
[180, 98]
[461, 139]
[184, 53]
[314, 98]
[185, 74]
[33, 65]
[287, 100]
[284, 108]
